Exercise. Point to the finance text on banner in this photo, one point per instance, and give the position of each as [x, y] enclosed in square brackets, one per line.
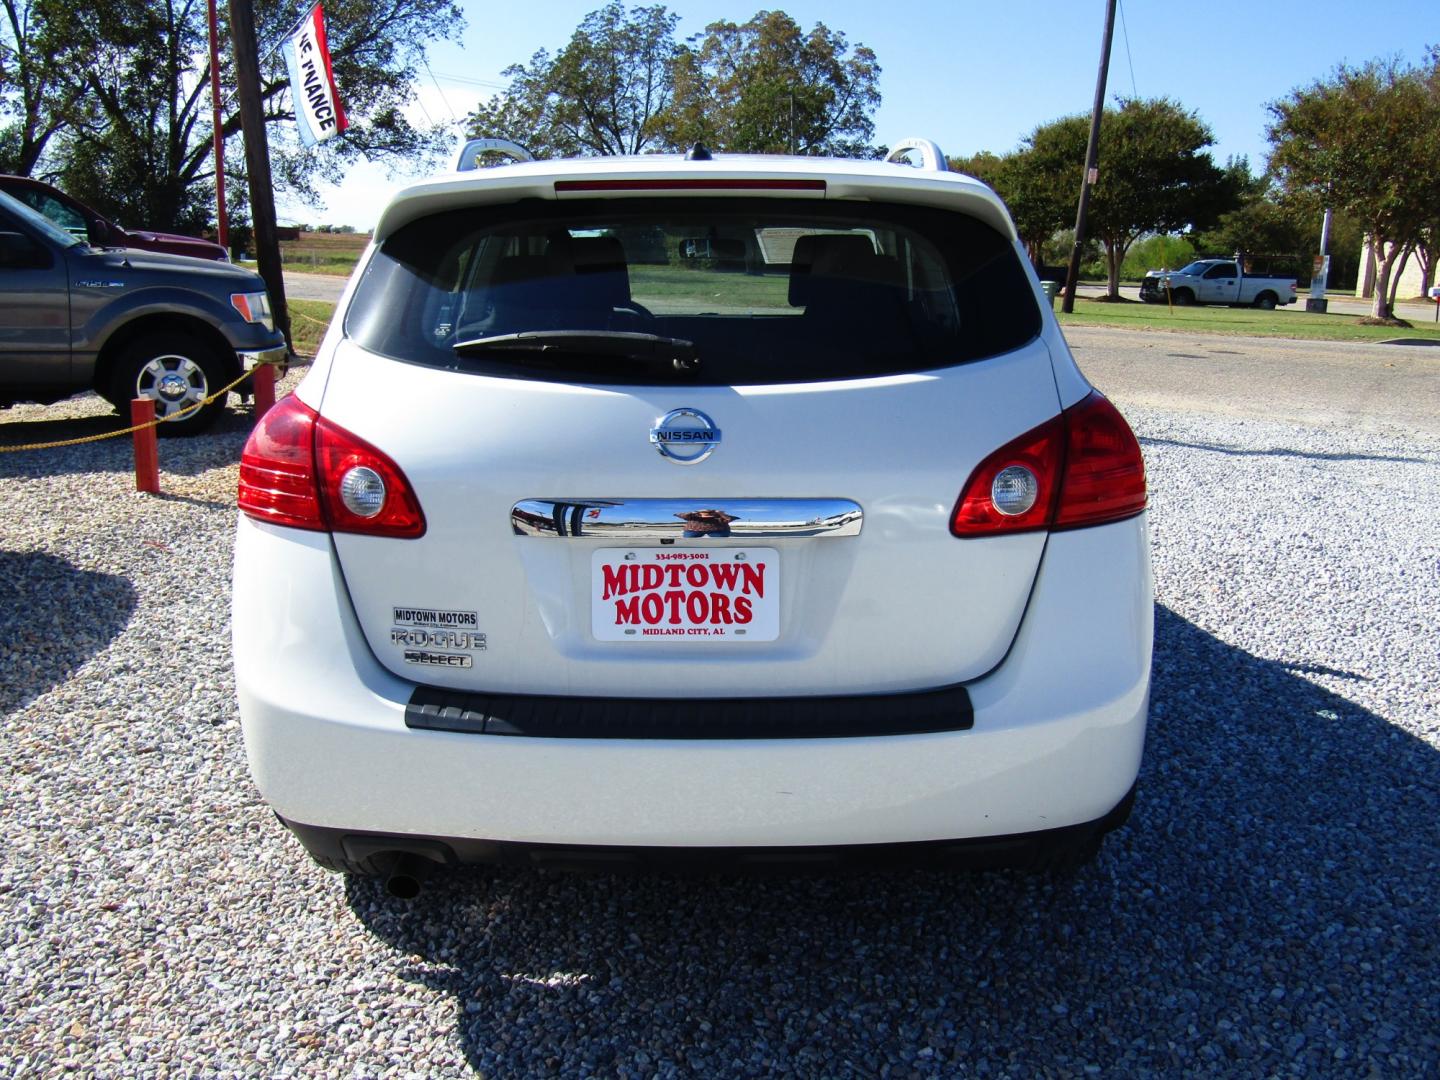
[317, 102]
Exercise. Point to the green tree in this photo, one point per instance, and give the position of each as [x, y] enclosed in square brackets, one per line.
[1428, 251]
[1036, 202]
[1160, 252]
[1364, 141]
[137, 143]
[602, 94]
[767, 87]
[983, 166]
[1264, 222]
[125, 155]
[1155, 174]
[41, 94]
[1040, 207]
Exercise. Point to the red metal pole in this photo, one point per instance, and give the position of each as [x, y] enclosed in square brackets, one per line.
[222, 220]
[147, 450]
[262, 383]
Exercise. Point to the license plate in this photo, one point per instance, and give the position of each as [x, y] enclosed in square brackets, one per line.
[650, 594]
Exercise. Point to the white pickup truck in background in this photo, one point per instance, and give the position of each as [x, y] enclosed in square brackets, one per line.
[1217, 281]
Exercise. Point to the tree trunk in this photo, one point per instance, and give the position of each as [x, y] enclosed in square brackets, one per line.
[1114, 255]
[1382, 308]
[1397, 275]
[1427, 255]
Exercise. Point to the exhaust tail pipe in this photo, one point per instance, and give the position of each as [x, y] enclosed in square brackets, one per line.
[406, 874]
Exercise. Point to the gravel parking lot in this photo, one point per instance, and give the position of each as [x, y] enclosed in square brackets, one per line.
[1271, 909]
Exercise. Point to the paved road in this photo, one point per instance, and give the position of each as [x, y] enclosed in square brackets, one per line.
[1379, 388]
[313, 286]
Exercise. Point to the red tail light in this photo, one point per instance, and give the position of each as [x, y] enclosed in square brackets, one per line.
[277, 468]
[292, 469]
[1086, 468]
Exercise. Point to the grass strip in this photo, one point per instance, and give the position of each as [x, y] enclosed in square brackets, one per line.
[1301, 325]
[308, 320]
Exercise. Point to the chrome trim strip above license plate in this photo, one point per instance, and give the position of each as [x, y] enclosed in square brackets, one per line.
[638, 520]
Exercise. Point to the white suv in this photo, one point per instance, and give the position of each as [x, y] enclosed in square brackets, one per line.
[744, 509]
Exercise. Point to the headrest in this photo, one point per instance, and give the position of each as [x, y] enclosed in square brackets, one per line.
[596, 254]
[592, 269]
[825, 255]
[584, 254]
[512, 268]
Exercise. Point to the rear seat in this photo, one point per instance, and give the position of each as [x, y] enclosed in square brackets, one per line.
[576, 285]
[852, 294]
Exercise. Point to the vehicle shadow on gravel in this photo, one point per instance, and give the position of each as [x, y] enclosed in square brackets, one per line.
[1270, 909]
[1240, 451]
[186, 456]
[53, 617]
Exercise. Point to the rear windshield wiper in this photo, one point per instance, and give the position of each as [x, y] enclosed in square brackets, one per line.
[656, 353]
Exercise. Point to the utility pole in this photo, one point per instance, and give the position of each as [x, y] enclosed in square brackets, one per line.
[257, 158]
[1092, 159]
[222, 219]
[1319, 278]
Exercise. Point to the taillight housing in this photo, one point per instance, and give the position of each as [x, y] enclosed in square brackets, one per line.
[293, 468]
[1086, 467]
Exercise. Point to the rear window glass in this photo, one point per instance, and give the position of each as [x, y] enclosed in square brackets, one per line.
[763, 290]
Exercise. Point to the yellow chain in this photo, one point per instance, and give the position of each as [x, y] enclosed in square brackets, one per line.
[137, 427]
[309, 318]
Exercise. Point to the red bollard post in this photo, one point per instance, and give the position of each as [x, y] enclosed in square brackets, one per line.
[147, 450]
[262, 384]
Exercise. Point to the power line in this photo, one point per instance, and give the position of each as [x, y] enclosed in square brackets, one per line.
[443, 99]
[1126, 32]
[421, 104]
[468, 81]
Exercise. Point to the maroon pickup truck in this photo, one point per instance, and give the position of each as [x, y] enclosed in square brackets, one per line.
[75, 217]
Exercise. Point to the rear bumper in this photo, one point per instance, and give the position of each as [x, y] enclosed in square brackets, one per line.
[1056, 740]
[379, 851]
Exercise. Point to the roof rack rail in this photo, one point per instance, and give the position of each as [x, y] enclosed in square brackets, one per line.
[468, 157]
[931, 158]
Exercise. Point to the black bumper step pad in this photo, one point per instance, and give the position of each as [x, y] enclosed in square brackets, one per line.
[552, 717]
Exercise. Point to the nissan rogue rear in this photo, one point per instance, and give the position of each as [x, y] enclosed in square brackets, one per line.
[739, 510]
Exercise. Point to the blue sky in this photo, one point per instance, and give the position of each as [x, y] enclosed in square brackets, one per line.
[975, 76]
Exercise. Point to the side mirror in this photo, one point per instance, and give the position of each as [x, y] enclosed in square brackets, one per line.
[19, 252]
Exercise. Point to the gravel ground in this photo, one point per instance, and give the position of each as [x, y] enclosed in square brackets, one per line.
[1270, 910]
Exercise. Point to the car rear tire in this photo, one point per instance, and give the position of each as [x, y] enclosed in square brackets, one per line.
[174, 371]
[1266, 301]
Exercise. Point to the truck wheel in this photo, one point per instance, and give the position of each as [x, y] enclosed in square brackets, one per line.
[1183, 297]
[174, 371]
[1266, 300]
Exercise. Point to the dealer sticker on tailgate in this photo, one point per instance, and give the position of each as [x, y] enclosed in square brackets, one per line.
[649, 594]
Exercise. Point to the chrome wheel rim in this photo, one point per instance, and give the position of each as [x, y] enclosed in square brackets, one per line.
[173, 382]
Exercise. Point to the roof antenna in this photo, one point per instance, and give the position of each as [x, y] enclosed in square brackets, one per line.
[698, 153]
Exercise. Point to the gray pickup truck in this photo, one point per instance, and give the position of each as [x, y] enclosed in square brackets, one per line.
[124, 323]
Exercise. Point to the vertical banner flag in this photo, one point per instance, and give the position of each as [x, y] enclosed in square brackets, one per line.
[312, 84]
